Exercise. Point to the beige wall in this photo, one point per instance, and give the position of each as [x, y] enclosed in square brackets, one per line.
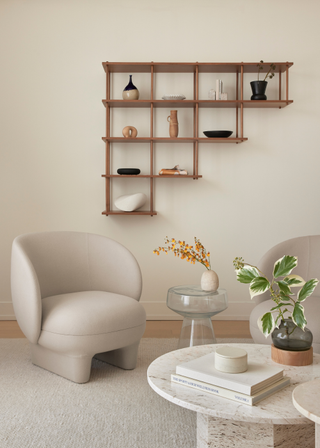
[252, 195]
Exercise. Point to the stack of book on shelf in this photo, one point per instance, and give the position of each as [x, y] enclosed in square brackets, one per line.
[258, 382]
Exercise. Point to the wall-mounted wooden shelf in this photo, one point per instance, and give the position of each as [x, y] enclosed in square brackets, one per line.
[172, 140]
[239, 103]
[201, 103]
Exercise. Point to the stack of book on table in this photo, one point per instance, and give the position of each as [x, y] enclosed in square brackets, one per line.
[250, 387]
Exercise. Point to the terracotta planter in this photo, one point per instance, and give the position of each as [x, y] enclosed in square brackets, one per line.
[174, 126]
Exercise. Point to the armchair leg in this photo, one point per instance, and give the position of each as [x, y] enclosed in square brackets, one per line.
[74, 368]
[125, 358]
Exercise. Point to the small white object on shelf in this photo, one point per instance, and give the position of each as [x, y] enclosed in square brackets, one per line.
[212, 94]
[173, 96]
[224, 96]
[219, 89]
[130, 202]
[231, 359]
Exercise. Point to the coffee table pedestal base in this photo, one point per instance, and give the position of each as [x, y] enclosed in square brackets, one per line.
[215, 432]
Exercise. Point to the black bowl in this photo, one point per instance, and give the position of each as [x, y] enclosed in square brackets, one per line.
[128, 171]
[217, 134]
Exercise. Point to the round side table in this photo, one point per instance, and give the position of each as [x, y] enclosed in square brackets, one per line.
[305, 398]
[197, 307]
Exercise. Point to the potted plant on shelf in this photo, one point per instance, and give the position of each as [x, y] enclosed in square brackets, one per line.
[209, 279]
[259, 87]
[288, 329]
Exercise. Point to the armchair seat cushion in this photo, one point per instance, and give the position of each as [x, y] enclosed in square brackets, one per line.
[89, 313]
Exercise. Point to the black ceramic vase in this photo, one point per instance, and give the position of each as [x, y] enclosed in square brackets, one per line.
[130, 92]
[290, 337]
[258, 89]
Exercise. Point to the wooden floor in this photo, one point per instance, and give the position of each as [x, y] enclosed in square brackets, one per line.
[155, 329]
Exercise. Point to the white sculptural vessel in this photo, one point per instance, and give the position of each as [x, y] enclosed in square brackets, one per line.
[130, 202]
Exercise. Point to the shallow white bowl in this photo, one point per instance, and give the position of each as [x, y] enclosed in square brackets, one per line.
[173, 96]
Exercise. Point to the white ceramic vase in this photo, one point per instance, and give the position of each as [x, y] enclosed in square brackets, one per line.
[209, 281]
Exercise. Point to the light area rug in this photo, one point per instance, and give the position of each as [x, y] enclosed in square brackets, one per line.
[115, 409]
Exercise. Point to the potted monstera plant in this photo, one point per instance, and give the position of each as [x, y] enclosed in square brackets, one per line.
[259, 87]
[286, 321]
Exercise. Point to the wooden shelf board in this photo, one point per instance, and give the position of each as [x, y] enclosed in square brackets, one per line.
[137, 176]
[182, 176]
[190, 67]
[127, 140]
[266, 104]
[222, 140]
[201, 103]
[174, 140]
[119, 212]
[149, 139]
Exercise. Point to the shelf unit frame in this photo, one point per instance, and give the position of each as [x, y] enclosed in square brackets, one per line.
[239, 104]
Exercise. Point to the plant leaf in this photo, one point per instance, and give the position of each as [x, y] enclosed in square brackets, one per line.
[259, 285]
[307, 289]
[266, 324]
[284, 288]
[278, 317]
[298, 316]
[284, 297]
[279, 306]
[247, 274]
[284, 266]
[294, 280]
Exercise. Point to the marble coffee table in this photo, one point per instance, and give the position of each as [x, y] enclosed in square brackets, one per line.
[274, 422]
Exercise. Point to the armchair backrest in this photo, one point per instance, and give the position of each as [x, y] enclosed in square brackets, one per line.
[306, 248]
[52, 263]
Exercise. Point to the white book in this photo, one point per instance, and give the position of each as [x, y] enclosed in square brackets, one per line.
[258, 376]
[230, 394]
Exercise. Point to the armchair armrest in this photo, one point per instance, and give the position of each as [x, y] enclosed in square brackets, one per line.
[25, 290]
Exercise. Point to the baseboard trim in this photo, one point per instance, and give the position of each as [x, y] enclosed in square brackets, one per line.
[6, 311]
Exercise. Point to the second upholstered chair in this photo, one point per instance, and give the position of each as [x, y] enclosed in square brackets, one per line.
[76, 295]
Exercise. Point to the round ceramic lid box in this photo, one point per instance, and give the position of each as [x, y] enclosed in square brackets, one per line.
[231, 359]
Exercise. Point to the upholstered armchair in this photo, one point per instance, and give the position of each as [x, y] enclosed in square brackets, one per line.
[307, 249]
[76, 295]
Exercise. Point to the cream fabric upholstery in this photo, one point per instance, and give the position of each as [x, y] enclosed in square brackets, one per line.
[76, 295]
[307, 249]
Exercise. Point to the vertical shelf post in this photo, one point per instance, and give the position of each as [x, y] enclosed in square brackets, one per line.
[196, 119]
[287, 82]
[280, 84]
[108, 189]
[237, 108]
[241, 97]
[151, 142]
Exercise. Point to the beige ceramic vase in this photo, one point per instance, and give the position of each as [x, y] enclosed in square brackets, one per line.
[174, 126]
[209, 281]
